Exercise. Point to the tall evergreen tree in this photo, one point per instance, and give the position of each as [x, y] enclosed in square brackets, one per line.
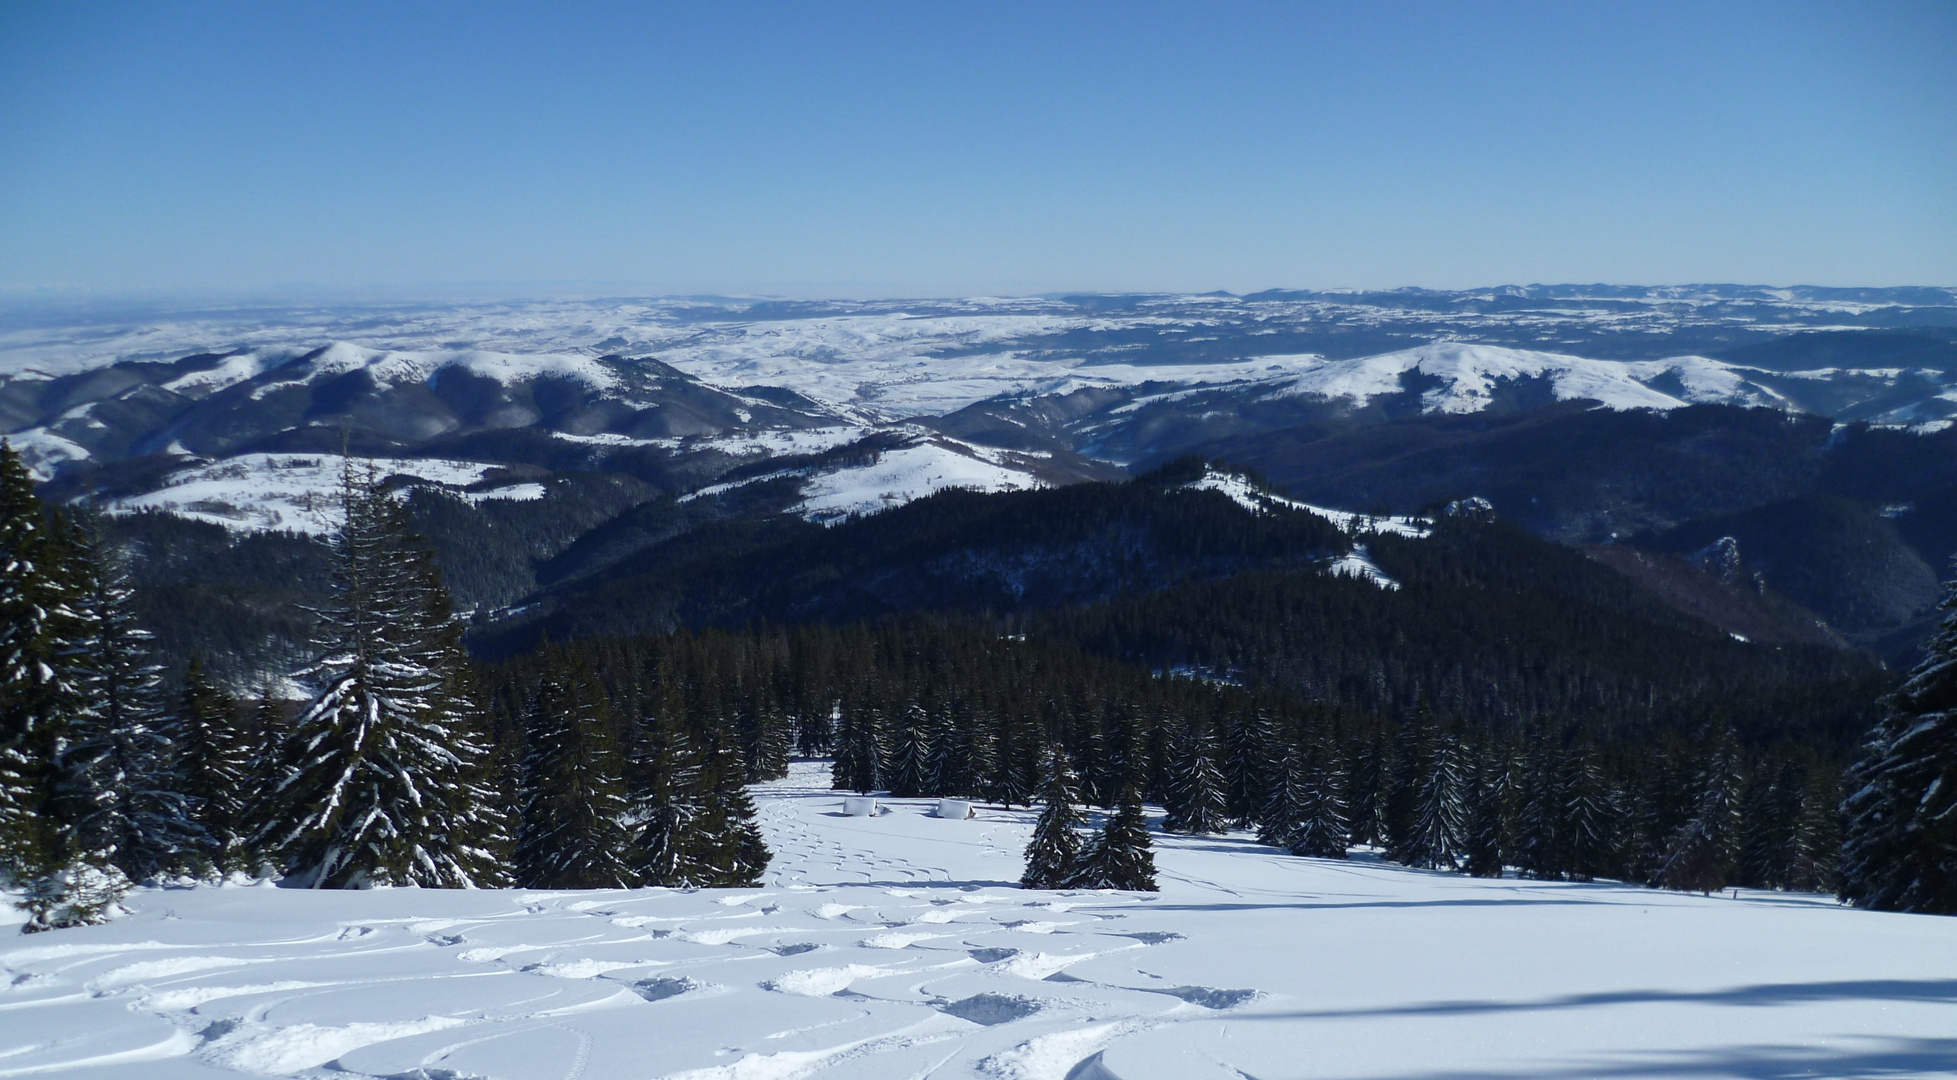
[573, 833]
[1122, 856]
[220, 762]
[1589, 816]
[1322, 831]
[1369, 779]
[1053, 856]
[1899, 849]
[726, 846]
[1435, 833]
[1702, 854]
[1246, 767]
[383, 773]
[859, 749]
[1284, 809]
[1489, 796]
[1198, 802]
[131, 748]
[47, 795]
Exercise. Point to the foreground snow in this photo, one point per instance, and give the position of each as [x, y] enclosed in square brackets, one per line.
[898, 947]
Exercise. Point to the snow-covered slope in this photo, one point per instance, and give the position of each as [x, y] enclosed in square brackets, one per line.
[1466, 377]
[294, 492]
[897, 946]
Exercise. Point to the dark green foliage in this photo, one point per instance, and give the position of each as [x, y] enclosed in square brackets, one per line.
[1053, 855]
[1197, 800]
[382, 780]
[1900, 839]
[220, 767]
[1321, 830]
[573, 833]
[1490, 795]
[1703, 852]
[1121, 856]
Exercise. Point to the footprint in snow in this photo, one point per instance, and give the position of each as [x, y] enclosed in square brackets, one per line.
[992, 955]
[990, 1009]
[1209, 997]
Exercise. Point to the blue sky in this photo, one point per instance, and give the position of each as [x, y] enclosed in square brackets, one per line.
[935, 149]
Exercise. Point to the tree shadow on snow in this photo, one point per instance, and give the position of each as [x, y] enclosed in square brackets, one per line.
[1767, 994]
[1875, 1057]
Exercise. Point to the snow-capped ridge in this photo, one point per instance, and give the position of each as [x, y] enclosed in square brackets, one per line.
[1246, 493]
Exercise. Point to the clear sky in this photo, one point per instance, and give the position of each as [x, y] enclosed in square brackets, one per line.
[928, 148]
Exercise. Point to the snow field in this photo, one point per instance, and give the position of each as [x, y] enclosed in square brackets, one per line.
[295, 492]
[897, 946]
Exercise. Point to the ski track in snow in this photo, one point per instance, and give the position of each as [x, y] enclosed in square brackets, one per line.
[899, 946]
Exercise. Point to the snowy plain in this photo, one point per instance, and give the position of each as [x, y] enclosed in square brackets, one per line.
[899, 947]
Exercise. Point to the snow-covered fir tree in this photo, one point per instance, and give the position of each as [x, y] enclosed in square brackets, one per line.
[1899, 849]
[1539, 830]
[1437, 830]
[1702, 854]
[1198, 803]
[130, 746]
[1121, 856]
[48, 796]
[859, 749]
[573, 832]
[383, 777]
[1247, 764]
[1369, 773]
[1284, 808]
[665, 802]
[725, 846]
[1053, 855]
[219, 767]
[1490, 794]
[1321, 830]
[1589, 816]
[909, 752]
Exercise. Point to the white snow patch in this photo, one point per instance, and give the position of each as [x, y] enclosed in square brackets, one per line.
[295, 492]
[287, 1050]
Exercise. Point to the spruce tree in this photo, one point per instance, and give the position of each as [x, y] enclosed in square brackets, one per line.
[1284, 809]
[131, 749]
[1899, 848]
[1487, 842]
[47, 795]
[1369, 779]
[665, 801]
[726, 849]
[1702, 853]
[1321, 830]
[859, 749]
[1198, 803]
[383, 780]
[220, 763]
[1122, 856]
[573, 833]
[1589, 816]
[1053, 856]
[1246, 768]
[1436, 830]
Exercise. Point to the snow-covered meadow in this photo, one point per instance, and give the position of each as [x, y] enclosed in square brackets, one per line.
[899, 947]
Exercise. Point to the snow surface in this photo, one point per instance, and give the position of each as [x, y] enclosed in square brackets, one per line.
[293, 492]
[901, 475]
[899, 947]
[1256, 499]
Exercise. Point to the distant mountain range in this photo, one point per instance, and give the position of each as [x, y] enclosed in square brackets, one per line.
[1807, 426]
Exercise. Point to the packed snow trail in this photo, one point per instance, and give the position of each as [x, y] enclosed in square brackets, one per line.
[899, 947]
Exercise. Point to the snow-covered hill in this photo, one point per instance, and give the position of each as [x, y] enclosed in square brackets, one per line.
[897, 946]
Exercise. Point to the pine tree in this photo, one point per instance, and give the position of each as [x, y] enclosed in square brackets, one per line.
[859, 749]
[666, 799]
[220, 762]
[1489, 796]
[573, 833]
[383, 778]
[1284, 810]
[1589, 816]
[131, 749]
[1702, 854]
[1122, 856]
[1368, 783]
[726, 849]
[1770, 812]
[1246, 770]
[1540, 833]
[47, 796]
[1198, 803]
[1053, 856]
[1321, 831]
[1436, 822]
[1899, 851]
